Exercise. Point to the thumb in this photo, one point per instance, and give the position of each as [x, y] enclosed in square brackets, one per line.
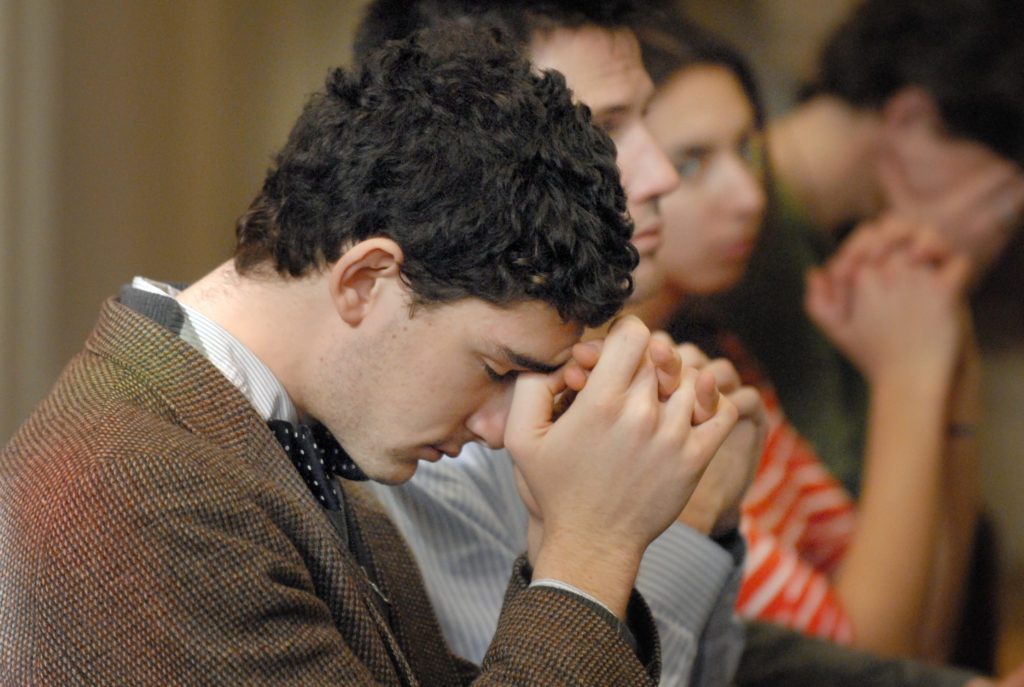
[956, 271]
[897, 190]
[529, 416]
[525, 494]
[819, 300]
[706, 397]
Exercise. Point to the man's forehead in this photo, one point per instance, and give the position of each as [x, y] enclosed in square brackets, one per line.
[526, 335]
[602, 66]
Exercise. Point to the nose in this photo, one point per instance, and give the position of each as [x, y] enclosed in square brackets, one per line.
[487, 423]
[646, 172]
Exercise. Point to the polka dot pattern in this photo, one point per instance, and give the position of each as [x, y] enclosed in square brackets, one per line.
[318, 457]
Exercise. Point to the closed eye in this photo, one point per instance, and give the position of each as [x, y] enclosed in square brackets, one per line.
[506, 378]
[612, 119]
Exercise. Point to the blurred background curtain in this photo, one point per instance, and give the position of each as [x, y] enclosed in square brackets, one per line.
[132, 134]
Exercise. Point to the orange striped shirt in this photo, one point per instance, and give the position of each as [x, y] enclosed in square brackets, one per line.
[798, 521]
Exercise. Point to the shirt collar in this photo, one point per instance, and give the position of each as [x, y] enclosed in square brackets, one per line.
[236, 362]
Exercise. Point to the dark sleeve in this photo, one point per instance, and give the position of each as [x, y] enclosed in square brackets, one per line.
[778, 656]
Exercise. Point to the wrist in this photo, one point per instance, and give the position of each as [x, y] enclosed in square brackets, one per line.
[605, 573]
[915, 384]
[700, 519]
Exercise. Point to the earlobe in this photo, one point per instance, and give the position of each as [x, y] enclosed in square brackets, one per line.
[911, 111]
[358, 276]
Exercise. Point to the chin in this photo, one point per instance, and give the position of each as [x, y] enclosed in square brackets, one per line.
[647, 279]
[725, 282]
[398, 472]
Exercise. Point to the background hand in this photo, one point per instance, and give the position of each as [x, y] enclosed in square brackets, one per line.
[893, 298]
[974, 199]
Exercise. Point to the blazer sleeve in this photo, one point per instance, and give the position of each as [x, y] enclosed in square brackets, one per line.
[546, 636]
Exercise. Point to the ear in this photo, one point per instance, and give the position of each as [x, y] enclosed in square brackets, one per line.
[359, 276]
[912, 142]
[910, 116]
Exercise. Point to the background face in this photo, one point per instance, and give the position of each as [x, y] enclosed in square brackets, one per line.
[704, 122]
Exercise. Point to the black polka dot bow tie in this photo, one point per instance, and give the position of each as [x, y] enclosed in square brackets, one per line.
[318, 457]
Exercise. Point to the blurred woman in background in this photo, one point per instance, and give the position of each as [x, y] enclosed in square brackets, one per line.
[886, 573]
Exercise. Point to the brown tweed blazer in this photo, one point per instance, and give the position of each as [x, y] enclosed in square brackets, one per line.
[152, 532]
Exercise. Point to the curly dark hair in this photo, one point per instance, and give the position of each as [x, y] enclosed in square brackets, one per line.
[495, 185]
[516, 21]
[967, 54]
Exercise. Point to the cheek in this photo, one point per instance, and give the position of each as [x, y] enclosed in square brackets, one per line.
[688, 229]
[456, 394]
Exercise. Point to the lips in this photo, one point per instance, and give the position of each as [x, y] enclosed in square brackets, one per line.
[648, 240]
[429, 454]
[449, 451]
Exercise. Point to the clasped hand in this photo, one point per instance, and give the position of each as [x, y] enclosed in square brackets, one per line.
[617, 468]
[714, 507]
[893, 298]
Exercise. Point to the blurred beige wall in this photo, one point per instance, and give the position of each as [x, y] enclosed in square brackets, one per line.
[780, 37]
[132, 134]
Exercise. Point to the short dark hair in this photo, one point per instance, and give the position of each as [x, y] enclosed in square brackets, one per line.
[670, 42]
[516, 21]
[967, 54]
[494, 184]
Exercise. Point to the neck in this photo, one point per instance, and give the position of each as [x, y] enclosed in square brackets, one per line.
[657, 310]
[823, 152]
[252, 308]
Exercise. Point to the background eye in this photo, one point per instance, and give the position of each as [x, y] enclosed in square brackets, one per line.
[690, 168]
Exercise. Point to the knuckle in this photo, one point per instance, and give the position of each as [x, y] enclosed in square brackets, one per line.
[634, 328]
[642, 417]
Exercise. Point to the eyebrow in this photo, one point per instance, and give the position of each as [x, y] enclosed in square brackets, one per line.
[610, 112]
[527, 362]
[618, 110]
[691, 149]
